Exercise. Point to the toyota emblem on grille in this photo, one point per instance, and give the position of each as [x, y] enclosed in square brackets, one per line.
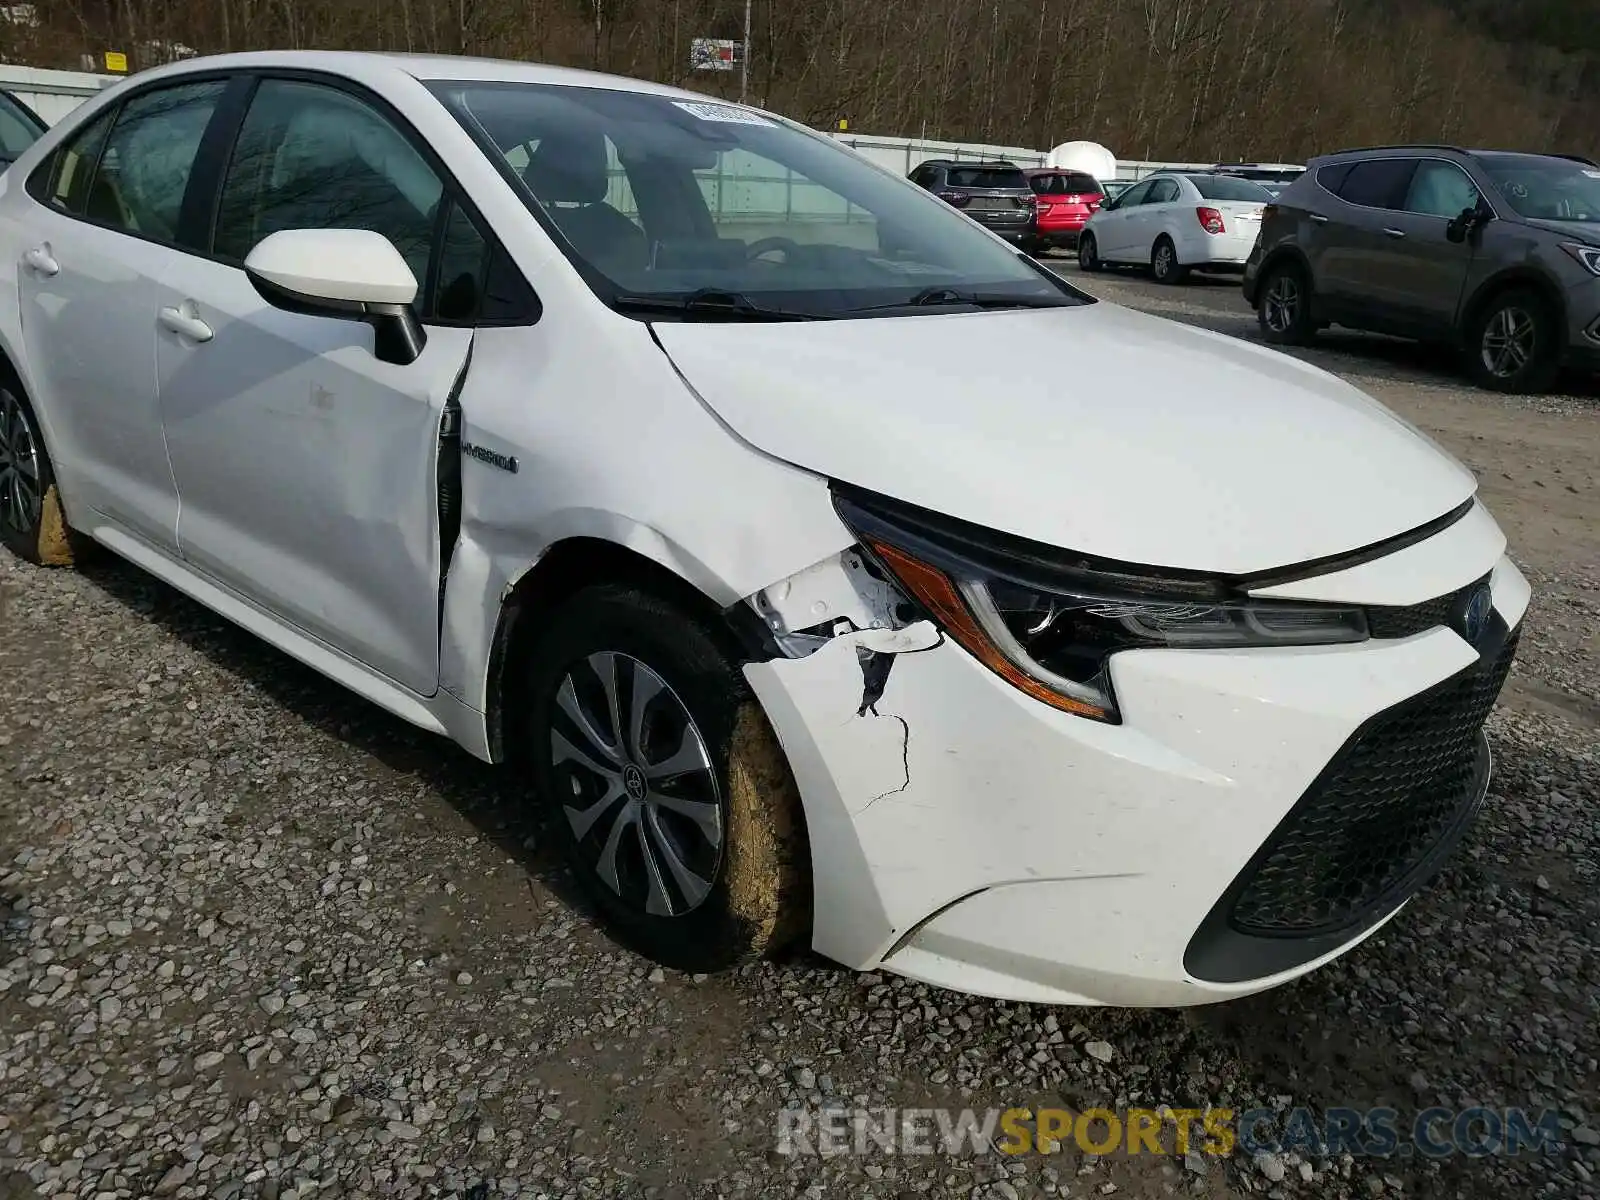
[1474, 615]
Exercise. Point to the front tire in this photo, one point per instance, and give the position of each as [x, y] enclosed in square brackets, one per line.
[1088, 254]
[1513, 344]
[1164, 264]
[32, 524]
[666, 785]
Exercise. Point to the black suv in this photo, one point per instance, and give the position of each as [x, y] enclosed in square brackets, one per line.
[994, 194]
[1494, 253]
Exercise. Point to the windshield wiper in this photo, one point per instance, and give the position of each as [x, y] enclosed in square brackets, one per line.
[712, 304]
[932, 296]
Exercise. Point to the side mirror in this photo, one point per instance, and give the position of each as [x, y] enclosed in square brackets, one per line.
[1467, 221]
[353, 274]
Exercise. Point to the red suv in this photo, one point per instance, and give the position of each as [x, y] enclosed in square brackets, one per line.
[1064, 201]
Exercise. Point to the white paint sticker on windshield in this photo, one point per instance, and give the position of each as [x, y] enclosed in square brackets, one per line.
[723, 113]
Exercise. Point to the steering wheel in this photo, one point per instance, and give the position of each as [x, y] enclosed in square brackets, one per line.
[766, 245]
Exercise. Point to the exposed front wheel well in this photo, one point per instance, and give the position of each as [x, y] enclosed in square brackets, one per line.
[567, 568]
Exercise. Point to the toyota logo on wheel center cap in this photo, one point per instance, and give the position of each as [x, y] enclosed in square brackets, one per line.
[633, 780]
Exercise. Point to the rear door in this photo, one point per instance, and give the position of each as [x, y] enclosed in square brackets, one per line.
[1147, 221]
[107, 232]
[306, 466]
[1356, 279]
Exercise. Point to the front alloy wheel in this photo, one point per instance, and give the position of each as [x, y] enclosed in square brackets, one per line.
[642, 801]
[664, 783]
[1513, 345]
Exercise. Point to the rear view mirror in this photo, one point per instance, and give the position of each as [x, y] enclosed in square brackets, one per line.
[353, 274]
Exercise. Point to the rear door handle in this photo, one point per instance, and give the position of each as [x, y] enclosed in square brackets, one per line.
[41, 260]
[1318, 218]
[1394, 233]
[187, 322]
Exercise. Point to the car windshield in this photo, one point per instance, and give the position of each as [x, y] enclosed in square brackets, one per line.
[659, 199]
[1550, 189]
[1009, 179]
[1225, 187]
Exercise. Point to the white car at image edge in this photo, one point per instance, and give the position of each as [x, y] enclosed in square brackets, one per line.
[652, 446]
[1173, 222]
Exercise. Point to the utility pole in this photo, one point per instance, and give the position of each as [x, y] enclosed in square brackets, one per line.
[744, 59]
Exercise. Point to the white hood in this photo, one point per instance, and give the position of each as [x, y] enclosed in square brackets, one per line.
[1096, 429]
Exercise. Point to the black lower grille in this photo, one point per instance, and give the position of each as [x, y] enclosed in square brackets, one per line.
[1379, 816]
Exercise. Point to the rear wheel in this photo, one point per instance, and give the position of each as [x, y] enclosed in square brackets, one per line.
[1513, 343]
[667, 788]
[1088, 253]
[32, 524]
[1164, 264]
[1283, 308]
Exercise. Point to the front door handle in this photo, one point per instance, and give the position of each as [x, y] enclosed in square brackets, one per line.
[41, 260]
[1394, 233]
[187, 322]
[1318, 218]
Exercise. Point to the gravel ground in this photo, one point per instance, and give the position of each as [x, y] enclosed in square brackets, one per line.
[260, 939]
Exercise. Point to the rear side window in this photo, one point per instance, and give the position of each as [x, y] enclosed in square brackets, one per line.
[144, 169]
[63, 182]
[1162, 191]
[1332, 178]
[998, 178]
[1378, 182]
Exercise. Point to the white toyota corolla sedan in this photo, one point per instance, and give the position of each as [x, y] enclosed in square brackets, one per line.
[722, 484]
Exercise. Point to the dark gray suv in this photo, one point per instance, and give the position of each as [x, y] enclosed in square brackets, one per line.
[1494, 253]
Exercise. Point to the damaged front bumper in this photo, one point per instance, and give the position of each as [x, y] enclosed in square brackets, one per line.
[968, 836]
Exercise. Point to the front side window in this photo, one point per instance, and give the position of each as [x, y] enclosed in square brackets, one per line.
[1138, 194]
[655, 196]
[1547, 189]
[1440, 189]
[143, 171]
[313, 157]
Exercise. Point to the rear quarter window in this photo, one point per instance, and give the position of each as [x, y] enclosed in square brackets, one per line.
[1378, 183]
[1332, 178]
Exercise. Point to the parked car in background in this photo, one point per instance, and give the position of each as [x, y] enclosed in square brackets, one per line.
[1063, 201]
[20, 127]
[909, 701]
[1112, 188]
[1494, 253]
[994, 194]
[1174, 222]
[1272, 176]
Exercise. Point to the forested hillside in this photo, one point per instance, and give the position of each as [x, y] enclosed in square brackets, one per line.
[1186, 79]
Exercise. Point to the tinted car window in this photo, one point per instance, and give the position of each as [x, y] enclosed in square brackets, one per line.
[1440, 189]
[1135, 195]
[1332, 178]
[473, 279]
[1378, 182]
[144, 168]
[313, 157]
[1067, 183]
[988, 177]
[1220, 187]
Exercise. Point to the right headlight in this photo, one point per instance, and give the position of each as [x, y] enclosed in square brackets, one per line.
[1049, 624]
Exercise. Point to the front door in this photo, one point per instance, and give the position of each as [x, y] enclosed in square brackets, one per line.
[307, 467]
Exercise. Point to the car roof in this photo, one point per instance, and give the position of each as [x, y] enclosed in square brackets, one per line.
[423, 67]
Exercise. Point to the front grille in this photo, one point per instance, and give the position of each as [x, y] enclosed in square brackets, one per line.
[1404, 622]
[1380, 816]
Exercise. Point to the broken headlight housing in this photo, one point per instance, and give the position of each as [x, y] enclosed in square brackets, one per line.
[1049, 621]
